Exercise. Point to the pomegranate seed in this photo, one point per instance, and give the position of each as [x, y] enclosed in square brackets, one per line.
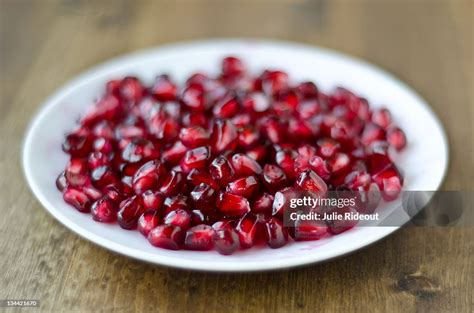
[305, 153]
[108, 108]
[307, 90]
[357, 179]
[276, 233]
[77, 172]
[286, 161]
[372, 132]
[244, 165]
[382, 117]
[174, 153]
[164, 89]
[195, 119]
[199, 237]
[130, 210]
[180, 217]
[320, 167]
[194, 136]
[195, 158]
[97, 159]
[396, 138]
[309, 230]
[248, 138]
[248, 228]
[200, 176]
[77, 145]
[131, 89]
[257, 102]
[309, 180]
[193, 98]
[166, 236]
[340, 162]
[258, 154]
[104, 210]
[308, 109]
[77, 199]
[103, 145]
[175, 203]
[203, 197]
[245, 186]
[224, 136]
[226, 108]
[282, 200]
[61, 181]
[368, 200]
[327, 147]
[139, 150]
[273, 129]
[232, 67]
[152, 200]
[147, 222]
[274, 82]
[173, 184]
[263, 204]
[197, 217]
[233, 205]
[226, 241]
[273, 177]
[221, 170]
[103, 176]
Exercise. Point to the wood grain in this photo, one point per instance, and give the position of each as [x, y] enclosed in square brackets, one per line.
[428, 44]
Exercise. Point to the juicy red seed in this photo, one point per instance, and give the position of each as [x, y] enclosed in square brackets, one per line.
[274, 82]
[309, 230]
[77, 199]
[203, 197]
[339, 163]
[245, 186]
[233, 205]
[176, 203]
[197, 217]
[174, 153]
[263, 204]
[273, 177]
[173, 184]
[257, 102]
[103, 145]
[327, 147]
[378, 162]
[115, 193]
[194, 136]
[224, 136]
[307, 90]
[97, 159]
[368, 200]
[195, 158]
[247, 228]
[357, 179]
[382, 117]
[244, 165]
[396, 137]
[199, 176]
[139, 150]
[309, 180]
[166, 236]
[180, 217]
[221, 169]
[152, 200]
[104, 210]
[91, 192]
[147, 222]
[273, 129]
[258, 154]
[248, 138]
[282, 200]
[372, 132]
[390, 182]
[308, 109]
[199, 237]
[226, 241]
[305, 153]
[276, 233]
[286, 161]
[226, 108]
[108, 108]
[61, 181]
[320, 167]
[130, 210]
[195, 119]
[148, 176]
[131, 89]
[164, 89]
[193, 98]
[77, 172]
[103, 176]
[232, 66]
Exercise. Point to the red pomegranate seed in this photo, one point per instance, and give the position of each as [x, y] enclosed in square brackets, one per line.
[245, 186]
[378, 162]
[77, 172]
[195, 119]
[320, 167]
[232, 67]
[104, 210]
[307, 90]
[174, 153]
[248, 138]
[286, 161]
[152, 200]
[148, 176]
[233, 205]
[368, 200]
[173, 184]
[221, 170]
[390, 182]
[309, 180]
[263, 204]
[309, 230]
[77, 199]
[194, 136]
[285, 103]
[197, 217]
[77, 145]
[258, 154]
[108, 108]
[273, 177]
[130, 210]
[226, 107]
[226, 241]
[193, 98]
[203, 197]
[274, 82]
[327, 147]
[200, 176]
[372, 132]
[305, 153]
[97, 159]
[224, 136]
[179, 217]
[276, 233]
[131, 89]
[244, 165]
[164, 89]
[103, 145]
[166, 236]
[199, 237]
[139, 150]
[273, 129]
[382, 117]
[257, 102]
[396, 137]
[339, 163]
[248, 228]
[61, 181]
[282, 200]
[91, 192]
[147, 222]
[195, 158]
[308, 109]
[103, 176]
[175, 203]
[357, 179]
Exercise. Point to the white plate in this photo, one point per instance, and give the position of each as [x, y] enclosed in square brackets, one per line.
[424, 162]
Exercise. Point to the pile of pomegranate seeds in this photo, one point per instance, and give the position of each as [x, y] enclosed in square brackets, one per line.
[214, 163]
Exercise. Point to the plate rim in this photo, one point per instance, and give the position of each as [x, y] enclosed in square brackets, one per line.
[201, 265]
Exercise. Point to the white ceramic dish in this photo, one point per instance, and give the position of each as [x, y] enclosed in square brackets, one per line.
[424, 162]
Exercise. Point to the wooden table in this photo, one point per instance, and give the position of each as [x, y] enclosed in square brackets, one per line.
[428, 44]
